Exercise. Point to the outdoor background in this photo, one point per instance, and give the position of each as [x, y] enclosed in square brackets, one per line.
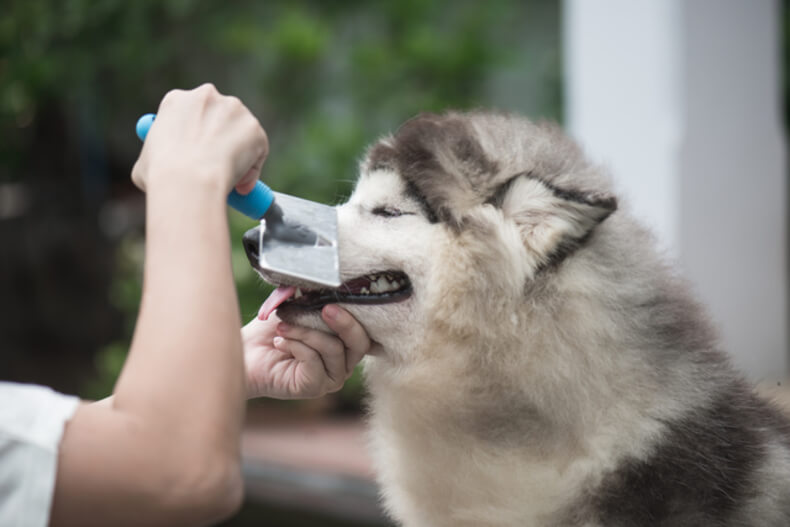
[325, 78]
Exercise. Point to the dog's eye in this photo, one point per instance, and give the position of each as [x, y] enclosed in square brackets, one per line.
[387, 212]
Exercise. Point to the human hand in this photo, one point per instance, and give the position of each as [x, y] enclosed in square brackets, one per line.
[202, 136]
[292, 362]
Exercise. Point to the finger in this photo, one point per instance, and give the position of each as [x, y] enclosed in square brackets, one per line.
[169, 98]
[257, 330]
[329, 348]
[206, 90]
[298, 350]
[273, 319]
[350, 332]
[313, 361]
[137, 176]
[247, 183]
[253, 137]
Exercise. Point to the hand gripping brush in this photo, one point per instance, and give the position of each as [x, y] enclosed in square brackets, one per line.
[297, 239]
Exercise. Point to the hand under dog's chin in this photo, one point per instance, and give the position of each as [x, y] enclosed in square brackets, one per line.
[382, 323]
[312, 319]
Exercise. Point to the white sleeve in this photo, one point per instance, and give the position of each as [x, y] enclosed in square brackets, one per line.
[31, 425]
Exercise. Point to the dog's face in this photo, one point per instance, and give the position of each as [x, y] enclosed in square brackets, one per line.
[387, 245]
[452, 220]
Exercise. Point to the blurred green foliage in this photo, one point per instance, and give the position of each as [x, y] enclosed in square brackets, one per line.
[325, 77]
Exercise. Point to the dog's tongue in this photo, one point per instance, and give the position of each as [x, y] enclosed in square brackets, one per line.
[278, 296]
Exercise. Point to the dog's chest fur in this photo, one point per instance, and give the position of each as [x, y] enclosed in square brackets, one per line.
[446, 460]
[476, 448]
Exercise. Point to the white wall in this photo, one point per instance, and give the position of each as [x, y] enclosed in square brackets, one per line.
[681, 100]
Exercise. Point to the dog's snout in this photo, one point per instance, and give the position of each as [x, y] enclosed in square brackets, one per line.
[251, 243]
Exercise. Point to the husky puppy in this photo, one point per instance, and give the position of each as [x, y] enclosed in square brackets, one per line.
[538, 363]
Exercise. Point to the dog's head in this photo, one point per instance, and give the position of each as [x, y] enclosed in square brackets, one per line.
[457, 218]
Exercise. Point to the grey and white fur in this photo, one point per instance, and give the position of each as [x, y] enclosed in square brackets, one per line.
[548, 368]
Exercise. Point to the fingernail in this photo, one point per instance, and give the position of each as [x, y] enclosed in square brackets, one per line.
[277, 341]
[332, 311]
[282, 327]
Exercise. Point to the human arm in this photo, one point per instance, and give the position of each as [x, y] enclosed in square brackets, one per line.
[165, 449]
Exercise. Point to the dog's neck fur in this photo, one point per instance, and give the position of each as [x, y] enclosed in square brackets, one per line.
[557, 358]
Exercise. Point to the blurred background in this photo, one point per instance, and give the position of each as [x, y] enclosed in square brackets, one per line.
[325, 78]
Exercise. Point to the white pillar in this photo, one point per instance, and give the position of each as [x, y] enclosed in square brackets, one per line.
[680, 99]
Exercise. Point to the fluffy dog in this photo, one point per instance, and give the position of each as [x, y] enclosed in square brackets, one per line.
[539, 364]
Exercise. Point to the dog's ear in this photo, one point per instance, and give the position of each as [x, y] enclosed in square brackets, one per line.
[553, 221]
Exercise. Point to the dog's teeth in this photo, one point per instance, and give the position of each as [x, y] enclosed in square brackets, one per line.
[382, 283]
[298, 293]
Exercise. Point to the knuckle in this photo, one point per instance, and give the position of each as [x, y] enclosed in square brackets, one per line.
[335, 350]
[137, 175]
[251, 126]
[205, 92]
[264, 140]
[208, 87]
[170, 96]
[284, 344]
[249, 120]
[234, 101]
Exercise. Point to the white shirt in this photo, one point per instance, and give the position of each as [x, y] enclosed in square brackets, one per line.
[31, 425]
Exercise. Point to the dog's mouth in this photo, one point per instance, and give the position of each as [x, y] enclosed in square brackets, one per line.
[382, 287]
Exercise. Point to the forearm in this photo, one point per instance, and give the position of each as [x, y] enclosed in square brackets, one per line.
[164, 449]
[188, 327]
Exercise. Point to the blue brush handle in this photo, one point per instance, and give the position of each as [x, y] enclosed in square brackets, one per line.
[255, 204]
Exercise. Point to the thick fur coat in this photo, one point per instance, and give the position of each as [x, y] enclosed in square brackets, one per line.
[548, 367]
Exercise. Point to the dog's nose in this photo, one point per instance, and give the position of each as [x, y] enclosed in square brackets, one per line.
[251, 243]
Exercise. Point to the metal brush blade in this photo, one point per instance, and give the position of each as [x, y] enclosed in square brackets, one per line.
[293, 263]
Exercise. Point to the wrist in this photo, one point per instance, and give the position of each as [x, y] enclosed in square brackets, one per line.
[190, 179]
[197, 197]
[251, 387]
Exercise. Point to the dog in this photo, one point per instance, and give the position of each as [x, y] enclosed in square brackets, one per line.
[539, 363]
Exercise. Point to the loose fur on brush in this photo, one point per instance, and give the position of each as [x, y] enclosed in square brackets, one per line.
[548, 368]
